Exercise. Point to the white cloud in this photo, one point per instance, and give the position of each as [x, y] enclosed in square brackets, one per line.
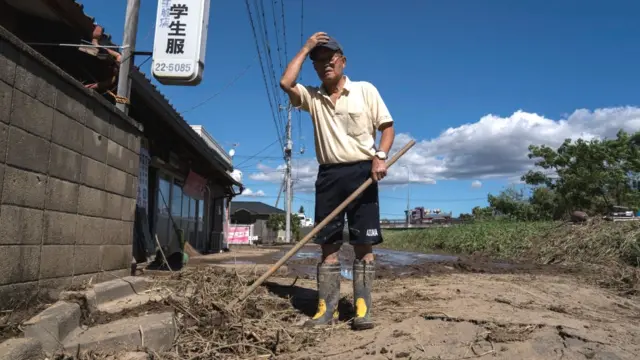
[492, 147]
[251, 193]
[476, 184]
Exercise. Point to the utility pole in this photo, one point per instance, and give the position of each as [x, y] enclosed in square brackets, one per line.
[287, 176]
[408, 212]
[129, 48]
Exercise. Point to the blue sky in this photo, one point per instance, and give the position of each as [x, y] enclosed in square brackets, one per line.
[473, 82]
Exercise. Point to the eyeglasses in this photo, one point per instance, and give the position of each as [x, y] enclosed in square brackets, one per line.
[327, 59]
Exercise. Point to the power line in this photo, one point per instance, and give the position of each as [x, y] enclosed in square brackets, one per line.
[299, 113]
[224, 88]
[264, 77]
[270, 66]
[275, 26]
[258, 153]
[301, 22]
[270, 157]
[432, 200]
[284, 31]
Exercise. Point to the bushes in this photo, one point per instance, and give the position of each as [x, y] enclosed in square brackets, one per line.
[598, 242]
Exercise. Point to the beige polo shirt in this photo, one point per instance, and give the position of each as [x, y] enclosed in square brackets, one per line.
[345, 131]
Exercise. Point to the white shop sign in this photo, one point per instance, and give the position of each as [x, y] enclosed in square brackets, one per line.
[180, 41]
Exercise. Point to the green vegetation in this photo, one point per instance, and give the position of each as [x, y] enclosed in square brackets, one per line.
[504, 239]
[610, 250]
[590, 176]
[545, 242]
[277, 222]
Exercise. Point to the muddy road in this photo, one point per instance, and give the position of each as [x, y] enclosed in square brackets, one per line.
[468, 316]
[390, 264]
[439, 307]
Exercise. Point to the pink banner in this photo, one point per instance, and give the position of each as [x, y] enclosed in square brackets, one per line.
[239, 234]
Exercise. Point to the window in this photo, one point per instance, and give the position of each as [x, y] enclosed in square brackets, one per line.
[187, 213]
[163, 199]
[176, 213]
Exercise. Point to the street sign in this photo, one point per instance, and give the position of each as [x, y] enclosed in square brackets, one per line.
[180, 41]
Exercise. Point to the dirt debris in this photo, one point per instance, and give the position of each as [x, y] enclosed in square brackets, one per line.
[12, 319]
[99, 317]
[441, 311]
[263, 325]
[458, 316]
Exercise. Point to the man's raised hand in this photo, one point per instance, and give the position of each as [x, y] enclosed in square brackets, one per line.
[315, 39]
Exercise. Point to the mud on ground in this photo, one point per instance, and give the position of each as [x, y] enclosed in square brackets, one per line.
[386, 268]
[11, 320]
[468, 316]
[471, 308]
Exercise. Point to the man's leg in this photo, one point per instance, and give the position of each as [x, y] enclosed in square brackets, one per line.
[328, 197]
[364, 225]
[330, 253]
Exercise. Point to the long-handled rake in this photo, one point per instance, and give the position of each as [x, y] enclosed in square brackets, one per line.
[317, 228]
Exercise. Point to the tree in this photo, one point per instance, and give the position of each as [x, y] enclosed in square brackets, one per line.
[276, 222]
[516, 205]
[465, 217]
[301, 210]
[481, 213]
[585, 175]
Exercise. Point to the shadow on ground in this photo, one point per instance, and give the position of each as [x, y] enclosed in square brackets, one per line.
[306, 300]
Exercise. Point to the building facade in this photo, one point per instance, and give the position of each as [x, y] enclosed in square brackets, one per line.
[69, 170]
[84, 184]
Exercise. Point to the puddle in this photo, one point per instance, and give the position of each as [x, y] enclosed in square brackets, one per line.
[503, 265]
[238, 262]
[402, 258]
[390, 258]
[304, 262]
[391, 262]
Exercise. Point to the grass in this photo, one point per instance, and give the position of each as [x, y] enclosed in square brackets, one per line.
[503, 239]
[598, 242]
[611, 251]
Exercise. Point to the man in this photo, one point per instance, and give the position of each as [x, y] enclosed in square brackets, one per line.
[345, 115]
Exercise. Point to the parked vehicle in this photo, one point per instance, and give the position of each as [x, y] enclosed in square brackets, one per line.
[420, 215]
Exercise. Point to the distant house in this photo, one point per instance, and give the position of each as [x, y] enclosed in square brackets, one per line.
[256, 213]
[248, 212]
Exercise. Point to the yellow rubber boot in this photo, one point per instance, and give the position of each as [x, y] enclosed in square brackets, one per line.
[363, 275]
[328, 295]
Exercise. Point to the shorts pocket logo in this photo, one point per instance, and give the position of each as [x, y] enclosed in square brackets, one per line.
[372, 232]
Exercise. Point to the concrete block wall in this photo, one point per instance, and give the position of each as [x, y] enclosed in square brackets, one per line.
[68, 178]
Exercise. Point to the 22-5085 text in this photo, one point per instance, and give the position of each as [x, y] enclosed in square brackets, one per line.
[172, 67]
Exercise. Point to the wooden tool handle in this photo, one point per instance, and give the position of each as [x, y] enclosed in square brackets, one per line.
[318, 227]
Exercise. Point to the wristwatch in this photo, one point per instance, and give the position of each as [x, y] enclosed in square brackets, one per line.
[381, 155]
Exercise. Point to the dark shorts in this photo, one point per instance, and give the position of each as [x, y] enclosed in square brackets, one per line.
[334, 184]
